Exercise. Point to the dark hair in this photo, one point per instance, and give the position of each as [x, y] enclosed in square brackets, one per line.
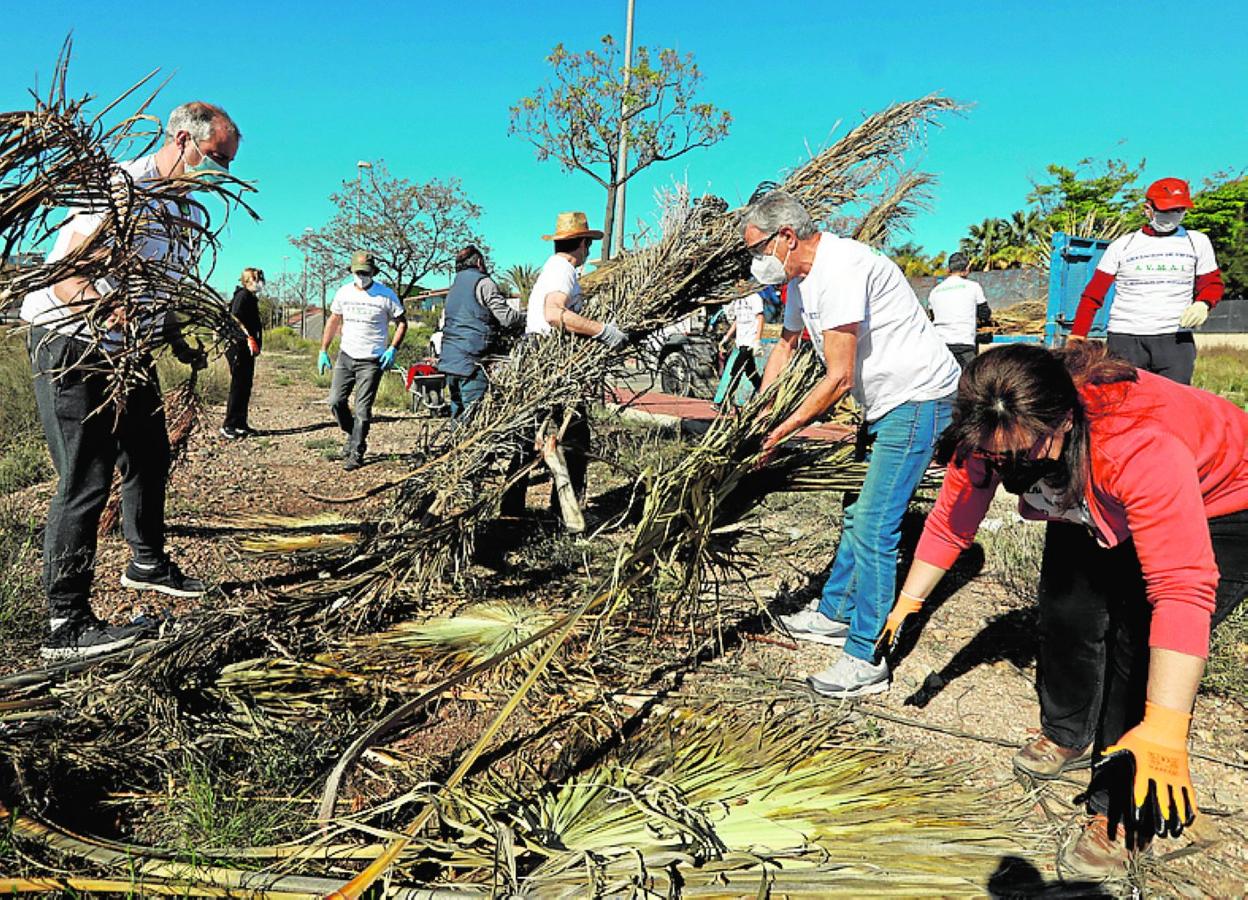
[958, 262]
[469, 258]
[1026, 388]
[569, 245]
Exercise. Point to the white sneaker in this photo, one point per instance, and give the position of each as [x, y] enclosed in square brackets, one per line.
[850, 676]
[811, 625]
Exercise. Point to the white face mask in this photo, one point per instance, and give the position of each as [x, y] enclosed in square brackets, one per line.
[1165, 221]
[768, 270]
[362, 280]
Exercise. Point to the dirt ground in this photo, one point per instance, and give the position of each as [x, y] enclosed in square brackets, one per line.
[963, 694]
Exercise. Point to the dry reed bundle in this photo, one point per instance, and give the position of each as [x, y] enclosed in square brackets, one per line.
[1024, 317]
[56, 160]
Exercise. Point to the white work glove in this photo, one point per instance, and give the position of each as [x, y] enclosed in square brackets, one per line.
[1194, 316]
[612, 336]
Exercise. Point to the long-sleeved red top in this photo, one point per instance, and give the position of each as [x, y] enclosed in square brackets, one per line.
[1206, 287]
[1165, 458]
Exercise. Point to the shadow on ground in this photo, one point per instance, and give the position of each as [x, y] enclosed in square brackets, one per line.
[1015, 877]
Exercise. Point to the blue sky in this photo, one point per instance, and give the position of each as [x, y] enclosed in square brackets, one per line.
[318, 85]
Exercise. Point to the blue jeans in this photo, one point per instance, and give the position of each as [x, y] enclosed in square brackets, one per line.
[862, 584]
[466, 390]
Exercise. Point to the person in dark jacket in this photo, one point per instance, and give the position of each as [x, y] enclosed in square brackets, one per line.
[476, 313]
[242, 352]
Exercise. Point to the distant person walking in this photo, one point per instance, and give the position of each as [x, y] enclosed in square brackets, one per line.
[242, 351]
[747, 328]
[475, 315]
[958, 308]
[1167, 281]
[362, 310]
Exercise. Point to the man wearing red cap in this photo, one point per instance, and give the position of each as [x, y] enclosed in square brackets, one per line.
[1167, 281]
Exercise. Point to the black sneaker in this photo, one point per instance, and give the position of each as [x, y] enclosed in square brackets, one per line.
[79, 640]
[232, 434]
[351, 463]
[165, 577]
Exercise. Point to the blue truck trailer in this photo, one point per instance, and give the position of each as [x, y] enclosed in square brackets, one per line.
[1072, 260]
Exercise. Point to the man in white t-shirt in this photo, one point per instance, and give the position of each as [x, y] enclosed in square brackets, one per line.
[877, 343]
[747, 329]
[1167, 280]
[555, 304]
[958, 307]
[362, 310]
[87, 439]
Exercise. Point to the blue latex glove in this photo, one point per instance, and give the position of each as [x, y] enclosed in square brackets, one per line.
[323, 364]
[387, 358]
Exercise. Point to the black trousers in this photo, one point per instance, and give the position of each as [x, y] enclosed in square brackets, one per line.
[575, 444]
[87, 439]
[1172, 356]
[242, 376]
[1094, 626]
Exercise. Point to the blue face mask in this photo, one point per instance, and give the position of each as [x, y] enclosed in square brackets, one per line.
[207, 170]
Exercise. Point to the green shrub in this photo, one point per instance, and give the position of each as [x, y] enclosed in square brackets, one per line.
[1227, 672]
[24, 463]
[1224, 371]
[286, 340]
[18, 414]
[21, 600]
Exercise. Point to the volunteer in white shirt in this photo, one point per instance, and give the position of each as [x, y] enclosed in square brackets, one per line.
[747, 328]
[958, 307]
[86, 439]
[877, 343]
[555, 304]
[1166, 279]
[362, 310]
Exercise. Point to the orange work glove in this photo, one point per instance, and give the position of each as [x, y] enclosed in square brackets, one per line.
[253, 345]
[1163, 798]
[906, 605]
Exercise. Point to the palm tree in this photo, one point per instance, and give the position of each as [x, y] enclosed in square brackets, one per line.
[1025, 226]
[519, 280]
[985, 241]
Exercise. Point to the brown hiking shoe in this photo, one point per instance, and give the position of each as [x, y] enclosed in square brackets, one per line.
[1093, 854]
[1042, 758]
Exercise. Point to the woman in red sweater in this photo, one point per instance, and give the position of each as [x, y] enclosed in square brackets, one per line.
[1144, 484]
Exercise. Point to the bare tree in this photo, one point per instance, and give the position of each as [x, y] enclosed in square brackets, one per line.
[412, 229]
[577, 117]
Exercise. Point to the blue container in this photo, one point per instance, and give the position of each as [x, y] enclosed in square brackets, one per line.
[1071, 264]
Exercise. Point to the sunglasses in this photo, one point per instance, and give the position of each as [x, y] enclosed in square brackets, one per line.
[756, 249]
[999, 459]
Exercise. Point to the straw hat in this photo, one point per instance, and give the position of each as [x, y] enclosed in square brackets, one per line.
[572, 225]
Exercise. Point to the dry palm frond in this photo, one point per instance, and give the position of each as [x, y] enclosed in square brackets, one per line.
[1025, 317]
[1094, 224]
[701, 788]
[58, 161]
[892, 211]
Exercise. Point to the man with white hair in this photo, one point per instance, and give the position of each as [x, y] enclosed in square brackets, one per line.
[71, 387]
[875, 341]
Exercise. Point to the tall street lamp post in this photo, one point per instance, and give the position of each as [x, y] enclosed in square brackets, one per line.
[359, 187]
